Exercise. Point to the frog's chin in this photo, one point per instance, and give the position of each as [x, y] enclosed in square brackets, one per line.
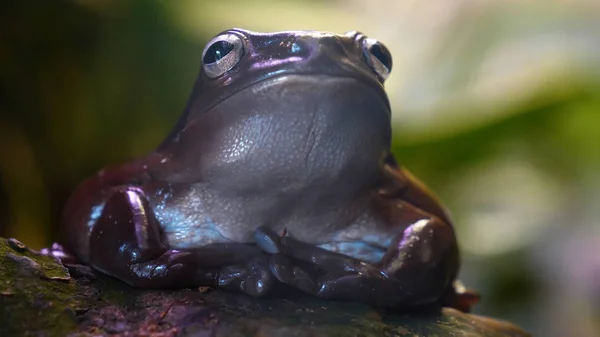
[297, 131]
[292, 139]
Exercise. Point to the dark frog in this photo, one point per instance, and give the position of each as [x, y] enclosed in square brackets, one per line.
[278, 171]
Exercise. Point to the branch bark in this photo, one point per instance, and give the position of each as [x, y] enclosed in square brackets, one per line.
[41, 297]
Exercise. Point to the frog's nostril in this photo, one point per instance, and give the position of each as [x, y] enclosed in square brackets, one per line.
[353, 34]
[295, 47]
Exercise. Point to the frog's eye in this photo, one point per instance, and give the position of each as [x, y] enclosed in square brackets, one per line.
[221, 54]
[378, 57]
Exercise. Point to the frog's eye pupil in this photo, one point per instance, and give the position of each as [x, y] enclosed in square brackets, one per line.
[222, 54]
[217, 51]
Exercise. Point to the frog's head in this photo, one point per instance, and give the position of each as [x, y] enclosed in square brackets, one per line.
[282, 104]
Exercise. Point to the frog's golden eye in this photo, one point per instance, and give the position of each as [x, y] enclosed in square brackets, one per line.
[221, 54]
[378, 57]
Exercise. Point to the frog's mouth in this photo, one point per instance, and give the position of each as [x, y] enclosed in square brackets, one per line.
[307, 94]
[284, 78]
[307, 87]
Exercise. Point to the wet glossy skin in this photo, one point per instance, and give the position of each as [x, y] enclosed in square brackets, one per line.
[278, 171]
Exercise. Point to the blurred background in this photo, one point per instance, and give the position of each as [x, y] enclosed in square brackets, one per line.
[496, 107]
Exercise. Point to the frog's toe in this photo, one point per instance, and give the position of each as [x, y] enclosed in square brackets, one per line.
[305, 282]
[172, 268]
[282, 268]
[268, 240]
[254, 279]
[325, 259]
[287, 272]
[258, 284]
[337, 280]
[461, 298]
[364, 287]
[58, 251]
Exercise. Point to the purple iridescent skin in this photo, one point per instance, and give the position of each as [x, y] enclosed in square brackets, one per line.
[278, 171]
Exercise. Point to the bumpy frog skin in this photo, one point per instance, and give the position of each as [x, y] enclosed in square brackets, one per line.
[278, 171]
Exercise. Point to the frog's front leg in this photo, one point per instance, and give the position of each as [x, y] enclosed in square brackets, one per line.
[125, 242]
[417, 269]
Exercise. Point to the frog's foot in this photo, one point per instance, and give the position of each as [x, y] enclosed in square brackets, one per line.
[323, 273]
[404, 277]
[461, 298]
[126, 243]
[216, 265]
[58, 251]
[253, 278]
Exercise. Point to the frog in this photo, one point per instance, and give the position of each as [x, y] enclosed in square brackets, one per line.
[278, 172]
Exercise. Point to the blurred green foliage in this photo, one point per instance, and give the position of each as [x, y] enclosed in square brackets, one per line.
[81, 87]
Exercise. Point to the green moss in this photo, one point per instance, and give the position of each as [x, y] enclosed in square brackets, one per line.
[36, 293]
